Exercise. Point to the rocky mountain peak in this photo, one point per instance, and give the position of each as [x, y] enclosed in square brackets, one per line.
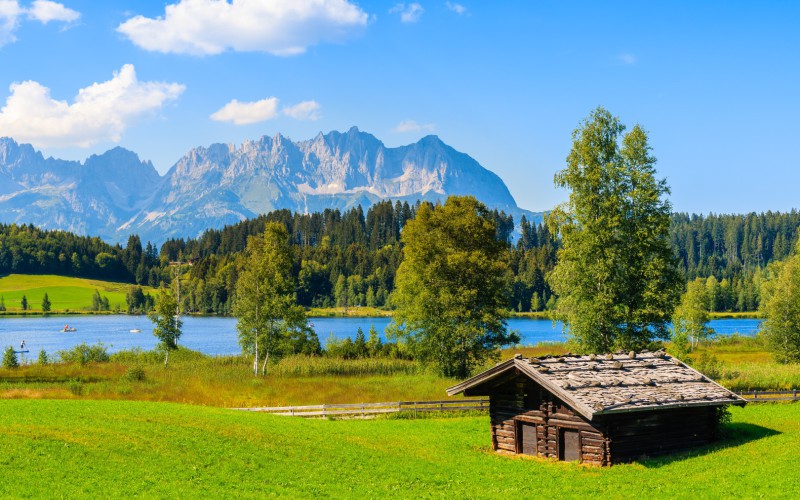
[115, 193]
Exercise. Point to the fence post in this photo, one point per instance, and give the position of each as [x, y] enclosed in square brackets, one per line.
[323, 411]
[794, 394]
[362, 410]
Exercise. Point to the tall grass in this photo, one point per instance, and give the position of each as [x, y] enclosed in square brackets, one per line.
[312, 366]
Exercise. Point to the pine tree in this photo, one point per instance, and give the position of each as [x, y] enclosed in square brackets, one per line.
[10, 358]
[46, 303]
[24, 303]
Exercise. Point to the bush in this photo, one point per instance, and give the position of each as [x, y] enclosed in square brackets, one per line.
[84, 353]
[709, 366]
[135, 374]
[76, 387]
[43, 359]
[10, 358]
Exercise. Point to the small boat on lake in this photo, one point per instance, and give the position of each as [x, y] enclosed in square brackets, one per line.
[68, 328]
[136, 330]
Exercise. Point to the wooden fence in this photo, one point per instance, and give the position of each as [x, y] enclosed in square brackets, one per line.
[371, 409]
[768, 396]
[364, 410]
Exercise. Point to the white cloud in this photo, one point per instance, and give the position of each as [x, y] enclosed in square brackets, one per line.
[9, 14]
[306, 110]
[627, 58]
[100, 112]
[410, 13]
[245, 113]
[456, 7]
[203, 27]
[408, 126]
[45, 11]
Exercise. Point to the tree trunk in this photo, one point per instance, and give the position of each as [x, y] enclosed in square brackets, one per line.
[166, 358]
[264, 366]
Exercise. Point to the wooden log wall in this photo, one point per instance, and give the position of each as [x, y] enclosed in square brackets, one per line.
[635, 435]
[520, 402]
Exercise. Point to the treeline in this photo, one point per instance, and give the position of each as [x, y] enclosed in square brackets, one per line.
[732, 252]
[341, 259]
[26, 249]
[350, 258]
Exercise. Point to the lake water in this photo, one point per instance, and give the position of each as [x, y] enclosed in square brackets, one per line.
[217, 336]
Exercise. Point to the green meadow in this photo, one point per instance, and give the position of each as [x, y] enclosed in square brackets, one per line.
[51, 448]
[65, 293]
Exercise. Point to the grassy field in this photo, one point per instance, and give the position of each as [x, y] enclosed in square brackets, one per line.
[113, 449]
[66, 294]
[227, 381]
[739, 364]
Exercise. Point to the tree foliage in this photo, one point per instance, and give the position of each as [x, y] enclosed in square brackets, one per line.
[166, 323]
[10, 358]
[270, 323]
[46, 304]
[616, 275]
[781, 310]
[690, 321]
[450, 287]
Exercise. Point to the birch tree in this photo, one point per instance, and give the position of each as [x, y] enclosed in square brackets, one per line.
[268, 317]
[616, 276]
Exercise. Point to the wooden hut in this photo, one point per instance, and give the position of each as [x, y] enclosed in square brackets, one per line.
[599, 410]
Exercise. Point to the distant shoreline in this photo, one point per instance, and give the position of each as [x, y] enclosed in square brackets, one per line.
[338, 312]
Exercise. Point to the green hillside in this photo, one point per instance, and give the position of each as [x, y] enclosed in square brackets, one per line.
[66, 294]
[119, 449]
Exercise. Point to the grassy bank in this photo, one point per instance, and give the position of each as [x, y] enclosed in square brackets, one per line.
[349, 312]
[226, 381]
[67, 295]
[739, 363]
[115, 449]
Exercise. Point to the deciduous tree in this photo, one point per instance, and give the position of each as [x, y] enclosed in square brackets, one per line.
[450, 287]
[780, 307]
[167, 324]
[690, 321]
[616, 275]
[269, 321]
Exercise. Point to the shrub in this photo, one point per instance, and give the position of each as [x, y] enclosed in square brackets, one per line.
[76, 387]
[135, 374]
[43, 359]
[709, 366]
[84, 353]
[10, 358]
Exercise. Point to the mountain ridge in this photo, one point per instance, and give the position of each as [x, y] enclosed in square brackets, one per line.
[115, 193]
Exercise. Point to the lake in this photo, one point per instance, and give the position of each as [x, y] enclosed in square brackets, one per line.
[217, 336]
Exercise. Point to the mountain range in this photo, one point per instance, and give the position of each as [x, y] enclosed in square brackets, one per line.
[116, 194]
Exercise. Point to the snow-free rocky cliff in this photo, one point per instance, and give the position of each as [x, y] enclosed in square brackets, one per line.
[116, 194]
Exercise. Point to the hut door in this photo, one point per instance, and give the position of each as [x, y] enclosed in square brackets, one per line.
[569, 448]
[527, 438]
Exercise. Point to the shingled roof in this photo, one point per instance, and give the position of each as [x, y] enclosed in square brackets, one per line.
[614, 383]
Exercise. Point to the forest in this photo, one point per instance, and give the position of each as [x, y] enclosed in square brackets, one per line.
[349, 259]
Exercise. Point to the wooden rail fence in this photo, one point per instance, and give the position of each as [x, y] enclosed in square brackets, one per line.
[767, 396]
[364, 410]
[371, 409]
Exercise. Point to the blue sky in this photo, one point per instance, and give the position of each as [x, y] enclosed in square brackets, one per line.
[717, 84]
